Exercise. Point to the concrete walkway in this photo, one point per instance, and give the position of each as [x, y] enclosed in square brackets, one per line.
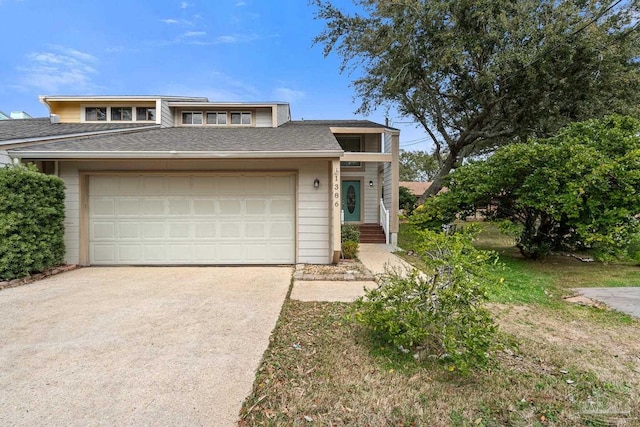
[373, 256]
[136, 345]
[625, 299]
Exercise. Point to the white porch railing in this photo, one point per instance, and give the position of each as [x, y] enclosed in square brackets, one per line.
[384, 220]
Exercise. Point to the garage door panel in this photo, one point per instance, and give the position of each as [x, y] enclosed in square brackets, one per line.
[192, 219]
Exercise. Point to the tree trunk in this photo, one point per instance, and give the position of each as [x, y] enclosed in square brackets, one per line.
[436, 183]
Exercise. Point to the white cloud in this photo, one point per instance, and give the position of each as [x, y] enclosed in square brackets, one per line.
[59, 69]
[194, 33]
[184, 5]
[287, 94]
[240, 3]
[170, 21]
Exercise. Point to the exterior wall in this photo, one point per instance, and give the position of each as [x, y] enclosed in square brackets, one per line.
[4, 158]
[284, 114]
[386, 180]
[166, 114]
[372, 142]
[263, 118]
[312, 223]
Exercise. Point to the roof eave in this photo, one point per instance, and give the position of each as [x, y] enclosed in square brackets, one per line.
[41, 154]
[37, 139]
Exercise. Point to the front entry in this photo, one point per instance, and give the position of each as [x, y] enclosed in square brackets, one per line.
[351, 201]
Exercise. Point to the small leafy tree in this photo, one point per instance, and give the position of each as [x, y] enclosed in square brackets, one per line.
[406, 200]
[578, 190]
[417, 166]
[438, 313]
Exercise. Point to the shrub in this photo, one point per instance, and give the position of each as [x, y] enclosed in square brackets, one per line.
[438, 313]
[31, 221]
[350, 241]
[406, 200]
[350, 233]
[350, 249]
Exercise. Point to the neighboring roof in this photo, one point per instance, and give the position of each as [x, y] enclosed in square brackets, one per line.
[15, 131]
[343, 123]
[288, 140]
[416, 188]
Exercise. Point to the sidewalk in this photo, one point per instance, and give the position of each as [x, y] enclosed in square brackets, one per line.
[373, 257]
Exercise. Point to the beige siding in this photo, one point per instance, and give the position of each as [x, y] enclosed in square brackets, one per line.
[372, 142]
[263, 118]
[387, 181]
[284, 114]
[166, 115]
[313, 216]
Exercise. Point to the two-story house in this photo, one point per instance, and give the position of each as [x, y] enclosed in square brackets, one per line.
[181, 180]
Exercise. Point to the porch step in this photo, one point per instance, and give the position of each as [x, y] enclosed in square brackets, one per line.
[372, 233]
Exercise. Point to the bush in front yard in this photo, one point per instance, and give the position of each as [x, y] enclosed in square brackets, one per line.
[31, 221]
[350, 235]
[437, 313]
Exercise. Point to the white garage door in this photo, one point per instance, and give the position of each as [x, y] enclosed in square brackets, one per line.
[192, 219]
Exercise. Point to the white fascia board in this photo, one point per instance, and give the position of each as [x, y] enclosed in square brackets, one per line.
[193, 104]
[172, 154]
[36, 139]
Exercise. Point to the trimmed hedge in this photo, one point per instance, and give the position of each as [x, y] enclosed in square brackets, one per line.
[31, 221]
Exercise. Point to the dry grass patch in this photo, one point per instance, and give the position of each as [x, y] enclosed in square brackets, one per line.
[320, 369]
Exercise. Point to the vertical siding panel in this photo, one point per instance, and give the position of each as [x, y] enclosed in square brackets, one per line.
[166, 115]
[284, 114]
[69, 174]
[263, 118]
[387, 172]
[313, 214]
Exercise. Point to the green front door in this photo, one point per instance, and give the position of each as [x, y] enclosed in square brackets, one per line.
[351, 201]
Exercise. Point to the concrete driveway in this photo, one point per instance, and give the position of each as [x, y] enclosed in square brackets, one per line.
[626, 299]
[136, 345]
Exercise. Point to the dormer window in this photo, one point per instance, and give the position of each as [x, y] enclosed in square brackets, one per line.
[145, 114]
[95, 114]
[217, 118]
[192, 118]
[121, 114]
[241, 118]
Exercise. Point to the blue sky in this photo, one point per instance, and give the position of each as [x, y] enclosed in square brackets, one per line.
[226, 50]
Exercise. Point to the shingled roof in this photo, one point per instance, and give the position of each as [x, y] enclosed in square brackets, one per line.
[291, 138]
[12, 131]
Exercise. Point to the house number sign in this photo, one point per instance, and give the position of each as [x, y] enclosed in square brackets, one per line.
[336, 187]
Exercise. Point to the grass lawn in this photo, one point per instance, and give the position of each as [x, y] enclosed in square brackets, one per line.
[562, 364]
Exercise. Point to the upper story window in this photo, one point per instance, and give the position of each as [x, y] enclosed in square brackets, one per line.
[192, 118]
[217, 118]
[95, 114]
[145, 114]
[241, 118]
[121, 114]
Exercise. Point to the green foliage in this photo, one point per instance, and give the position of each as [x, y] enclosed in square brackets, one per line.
[350, 241]
[350, 249]
[439, 313]
[350, 233]
[31, 221]
[406, 200]
[417, 166]
[575, 191]
[479, 75]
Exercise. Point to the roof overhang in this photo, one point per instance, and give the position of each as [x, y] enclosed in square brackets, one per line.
[224, 104]
[350, 130]
[41, 154]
